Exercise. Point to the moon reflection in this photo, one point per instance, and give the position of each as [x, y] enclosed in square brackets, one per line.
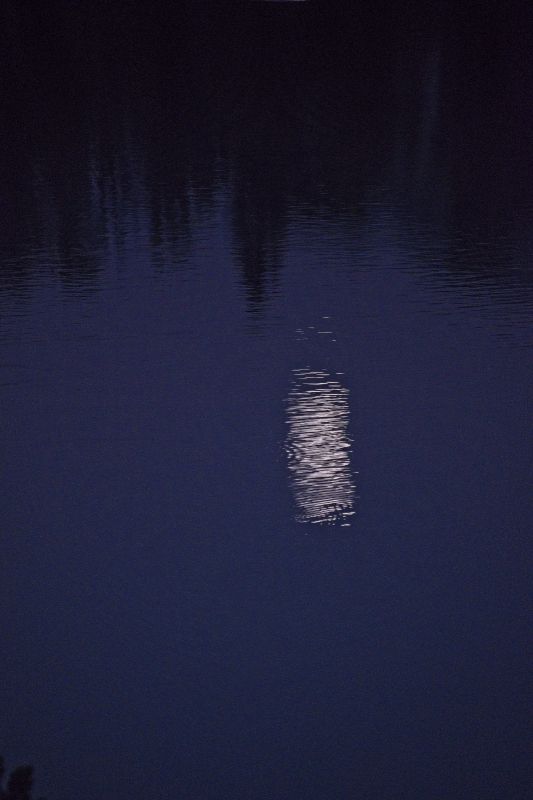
[319, 448]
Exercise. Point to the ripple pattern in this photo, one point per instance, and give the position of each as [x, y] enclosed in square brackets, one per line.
[319, 449]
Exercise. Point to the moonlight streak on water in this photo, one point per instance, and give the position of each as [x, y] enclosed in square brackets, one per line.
[318, 448]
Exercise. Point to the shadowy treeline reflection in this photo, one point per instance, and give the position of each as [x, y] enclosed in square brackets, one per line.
[126, 122]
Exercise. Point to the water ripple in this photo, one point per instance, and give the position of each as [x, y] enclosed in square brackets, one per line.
[318, 448]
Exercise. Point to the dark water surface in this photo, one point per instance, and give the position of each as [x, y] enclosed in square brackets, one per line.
[266, 295]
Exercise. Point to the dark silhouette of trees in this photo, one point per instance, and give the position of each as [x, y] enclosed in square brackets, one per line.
[19, 783]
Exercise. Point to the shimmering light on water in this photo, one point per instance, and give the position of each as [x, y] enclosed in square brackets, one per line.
[318, 448]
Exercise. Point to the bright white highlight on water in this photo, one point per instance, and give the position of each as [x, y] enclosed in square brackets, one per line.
[319, 448]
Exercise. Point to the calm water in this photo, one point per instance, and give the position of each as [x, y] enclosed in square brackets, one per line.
[266, 296]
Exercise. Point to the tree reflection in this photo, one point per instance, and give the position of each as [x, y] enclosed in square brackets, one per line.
[110, 135]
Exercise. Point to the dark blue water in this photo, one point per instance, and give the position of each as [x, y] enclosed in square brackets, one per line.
[265, 370]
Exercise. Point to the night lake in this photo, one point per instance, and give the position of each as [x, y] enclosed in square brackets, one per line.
[266, 305]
